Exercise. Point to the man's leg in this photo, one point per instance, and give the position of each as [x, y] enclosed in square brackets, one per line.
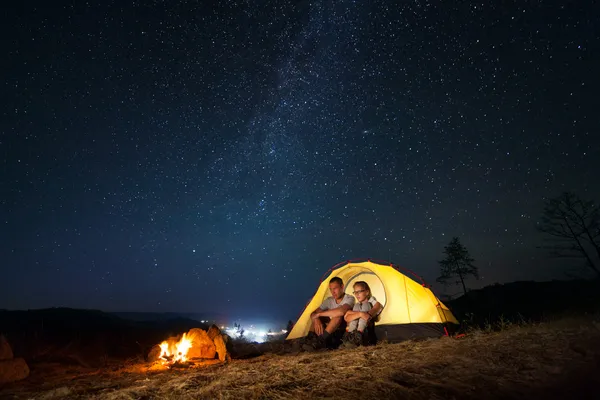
[313, 341]
[311, 330]
[334, 324]
[335, 332]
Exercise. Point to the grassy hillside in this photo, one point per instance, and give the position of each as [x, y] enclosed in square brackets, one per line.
[521, 341]
[553, 360]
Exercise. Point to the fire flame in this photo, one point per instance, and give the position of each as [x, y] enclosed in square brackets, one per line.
[175, 351]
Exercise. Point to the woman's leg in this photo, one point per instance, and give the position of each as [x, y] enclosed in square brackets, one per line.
[352, 325]
[362, 324]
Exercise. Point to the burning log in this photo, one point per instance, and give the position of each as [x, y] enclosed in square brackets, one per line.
[181, 365]
[167, 358]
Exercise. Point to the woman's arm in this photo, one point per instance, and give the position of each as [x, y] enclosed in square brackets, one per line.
[373, 312]
[352, 315]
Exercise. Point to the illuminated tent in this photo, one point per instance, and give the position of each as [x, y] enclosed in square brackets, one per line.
[410, 309]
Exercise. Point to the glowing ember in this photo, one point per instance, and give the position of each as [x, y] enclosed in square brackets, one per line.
[172, 352]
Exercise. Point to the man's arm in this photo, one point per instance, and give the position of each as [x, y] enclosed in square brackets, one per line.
[316, 322]
[315, 314]
[352, 315]
[335, 312]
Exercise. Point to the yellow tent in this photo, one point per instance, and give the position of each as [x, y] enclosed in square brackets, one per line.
[410, 309]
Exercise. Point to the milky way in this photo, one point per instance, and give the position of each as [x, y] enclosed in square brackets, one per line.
[186, 156]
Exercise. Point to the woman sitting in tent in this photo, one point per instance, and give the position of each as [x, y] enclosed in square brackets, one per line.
[365, 309]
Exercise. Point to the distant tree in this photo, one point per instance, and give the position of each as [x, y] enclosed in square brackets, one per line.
[290, 326]
[572, 225]
[458, 264]
[239, 330]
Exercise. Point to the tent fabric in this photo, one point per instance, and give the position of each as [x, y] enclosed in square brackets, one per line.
[410, 308]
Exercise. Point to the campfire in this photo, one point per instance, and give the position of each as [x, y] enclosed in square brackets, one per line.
[189, 348]
[171, 352]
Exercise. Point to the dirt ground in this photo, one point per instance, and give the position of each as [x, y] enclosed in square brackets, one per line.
[553, 360]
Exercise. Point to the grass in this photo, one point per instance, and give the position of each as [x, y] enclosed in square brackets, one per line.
[554, 359]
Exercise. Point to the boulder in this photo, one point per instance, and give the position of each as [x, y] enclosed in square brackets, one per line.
[221, 347]
[213, 332]
[154, 353]
[228, 342]
[202, 345]
[5, 349]
[220, 342]
[13, 370]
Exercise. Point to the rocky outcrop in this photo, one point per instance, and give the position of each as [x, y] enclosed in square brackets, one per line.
[11, 369]
[213, 332]
[209, 344]
[202, 345]
[221, 347]
[222, 342]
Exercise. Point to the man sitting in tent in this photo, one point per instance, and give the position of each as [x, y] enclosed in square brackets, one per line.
[327, 321]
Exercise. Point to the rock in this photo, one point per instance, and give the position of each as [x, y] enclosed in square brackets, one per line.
[228, 343]
[5, 350]
[13, 370]
[154, 353]
[221, 347]
[202, 345]
[213, 332]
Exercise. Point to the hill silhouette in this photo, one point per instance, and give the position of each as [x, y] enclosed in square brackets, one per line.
[527, 300]
[169, 316]
[86, 337]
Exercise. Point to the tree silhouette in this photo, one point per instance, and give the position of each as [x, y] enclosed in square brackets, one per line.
[239, 330]
[290, 326]
[573, 227]
[458, 264]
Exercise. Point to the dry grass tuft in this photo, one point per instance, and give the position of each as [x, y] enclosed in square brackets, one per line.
[561, 358]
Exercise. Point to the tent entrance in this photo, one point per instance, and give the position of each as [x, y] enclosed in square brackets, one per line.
[374, 282]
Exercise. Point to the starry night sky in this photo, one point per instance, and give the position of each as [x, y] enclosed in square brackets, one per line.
[221, 156]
